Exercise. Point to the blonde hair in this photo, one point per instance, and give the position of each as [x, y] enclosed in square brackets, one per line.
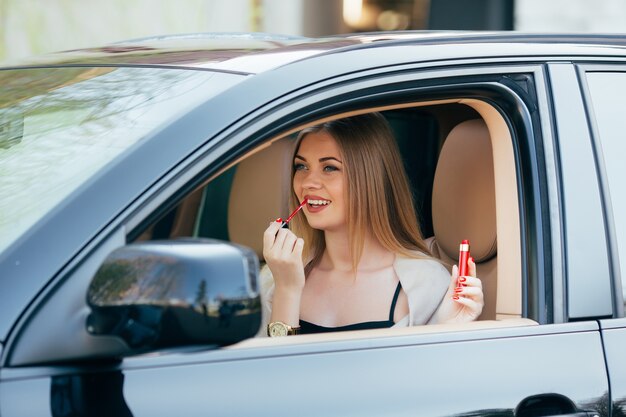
[378, 192]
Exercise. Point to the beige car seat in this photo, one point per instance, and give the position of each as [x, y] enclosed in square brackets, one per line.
[463, 204]
[260, 194]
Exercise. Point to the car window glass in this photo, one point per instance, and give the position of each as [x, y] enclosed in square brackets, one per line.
[71, 122]
[607, 93]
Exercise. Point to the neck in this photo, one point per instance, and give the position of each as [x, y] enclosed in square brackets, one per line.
[337, 254]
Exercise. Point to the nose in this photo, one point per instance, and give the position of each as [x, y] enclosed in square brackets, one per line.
[311, 180]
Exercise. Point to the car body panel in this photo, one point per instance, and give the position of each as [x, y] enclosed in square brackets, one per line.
[614, 338]
[586, 251]
[393, 367]
[600, 86]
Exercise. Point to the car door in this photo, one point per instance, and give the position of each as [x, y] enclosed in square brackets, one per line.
[479, 372]
[520, 368]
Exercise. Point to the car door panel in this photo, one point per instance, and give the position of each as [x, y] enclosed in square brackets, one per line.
[438, 378]
[25, 397]
[481, 372]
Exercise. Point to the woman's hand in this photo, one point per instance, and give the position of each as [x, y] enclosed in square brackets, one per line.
[282, 251]
[464, 302]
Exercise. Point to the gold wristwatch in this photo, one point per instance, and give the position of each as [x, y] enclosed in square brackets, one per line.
[278, 328]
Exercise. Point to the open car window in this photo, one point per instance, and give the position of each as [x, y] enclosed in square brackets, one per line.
[238, 204]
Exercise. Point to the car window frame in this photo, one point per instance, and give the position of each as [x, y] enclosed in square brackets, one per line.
[256, 128]
[444, 81]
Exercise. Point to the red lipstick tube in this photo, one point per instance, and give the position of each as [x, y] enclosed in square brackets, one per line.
[464, 254]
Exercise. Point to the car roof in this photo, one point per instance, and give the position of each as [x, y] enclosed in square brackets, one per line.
[252, 53]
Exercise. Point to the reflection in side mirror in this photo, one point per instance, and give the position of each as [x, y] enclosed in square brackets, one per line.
[176, 293]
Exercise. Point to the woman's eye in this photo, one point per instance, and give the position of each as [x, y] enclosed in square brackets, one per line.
[330, 168]
[298, 167]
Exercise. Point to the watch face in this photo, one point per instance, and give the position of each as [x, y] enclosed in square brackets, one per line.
[278, 329]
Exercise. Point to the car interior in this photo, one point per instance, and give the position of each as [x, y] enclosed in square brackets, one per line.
[459, 158]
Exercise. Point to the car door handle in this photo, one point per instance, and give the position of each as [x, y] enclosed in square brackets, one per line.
[549, 405]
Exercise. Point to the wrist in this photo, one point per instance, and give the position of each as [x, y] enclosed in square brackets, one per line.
[288, 279]
[286, 306]
[289, 290]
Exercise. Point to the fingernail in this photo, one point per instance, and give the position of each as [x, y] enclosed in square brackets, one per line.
[456, 297]
[279, 220]
[462, 279]
[471, 259]
[458, 289]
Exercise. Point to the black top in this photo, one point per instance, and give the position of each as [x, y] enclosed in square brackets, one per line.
[308, 328]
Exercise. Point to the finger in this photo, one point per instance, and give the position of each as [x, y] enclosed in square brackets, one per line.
[279, 242]
[269, 236]
[472, 266]
[454, 277]
[471, 282]
[289, 242]
[471, 292]
[298, 247]
[470, 304]
[271, 230]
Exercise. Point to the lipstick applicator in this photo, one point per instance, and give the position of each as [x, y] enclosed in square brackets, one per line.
[285, 222]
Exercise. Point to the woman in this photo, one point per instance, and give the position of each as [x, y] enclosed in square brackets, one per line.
[356, 259]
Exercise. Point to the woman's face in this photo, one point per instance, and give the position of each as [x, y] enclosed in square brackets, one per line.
[320, 177]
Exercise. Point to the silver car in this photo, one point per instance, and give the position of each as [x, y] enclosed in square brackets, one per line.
[136, 180]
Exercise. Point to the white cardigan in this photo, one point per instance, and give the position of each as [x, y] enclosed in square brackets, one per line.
[425, 282]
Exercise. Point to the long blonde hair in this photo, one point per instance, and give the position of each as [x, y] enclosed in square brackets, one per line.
[378, 192]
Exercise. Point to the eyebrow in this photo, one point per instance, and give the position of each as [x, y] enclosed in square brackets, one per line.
[324, 159]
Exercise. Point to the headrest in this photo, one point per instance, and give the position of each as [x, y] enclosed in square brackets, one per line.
[464, 205]
[260, 194]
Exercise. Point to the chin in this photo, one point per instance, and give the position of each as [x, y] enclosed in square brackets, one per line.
[326, 225]
[317, 225]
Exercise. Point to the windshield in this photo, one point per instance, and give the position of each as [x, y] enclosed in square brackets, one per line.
[60, 126]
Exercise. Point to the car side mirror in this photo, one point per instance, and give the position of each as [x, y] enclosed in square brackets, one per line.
[165, 294]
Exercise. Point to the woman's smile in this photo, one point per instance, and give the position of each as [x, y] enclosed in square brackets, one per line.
[316, 204]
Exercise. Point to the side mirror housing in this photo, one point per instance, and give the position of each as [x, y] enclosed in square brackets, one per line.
[166, 294]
